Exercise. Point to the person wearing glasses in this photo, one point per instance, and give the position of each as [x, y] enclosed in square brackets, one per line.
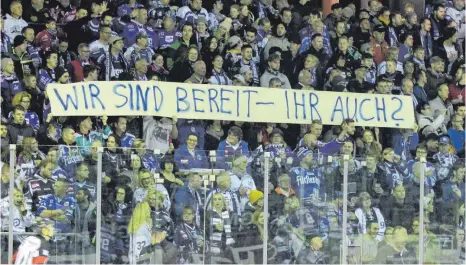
[103, 42]
[190, 156]
[24, 99]
[75, 67]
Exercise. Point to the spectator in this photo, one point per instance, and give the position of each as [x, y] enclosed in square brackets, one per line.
[149, 160]
[131, 29]
[47, 75]
[457, 134]
[59, 207]
[221, 231]
[19, 129]
[199, 73]
[317, 161]
[37, 12]
[103, 41]
[20, 212]
[188, 236]
[47, 39]
[146, 186]
[438, 21]
[231, 200]
[218, 76]
[189, 14]
[30, 157]
[379, 44]
[273, 70]
[14, 23]
[22, 60]
[76, 66]
[396, 250]
[32, 49]
[441, 105]
[369, 243]
[140, 49]
[396, 210]
[10, 84]
[113, 63]
[427, 124]
[183, 67]
[457, 91]
[241, 181]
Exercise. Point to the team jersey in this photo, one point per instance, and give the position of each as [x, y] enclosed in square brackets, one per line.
[138, 241]
[85, 185]
[38, 189]
[45, 77]
[189, 240]
[69, 157]
[10, 83]
[31, 118]
[108, 245]
[186, 15]
[133, 28]
[307, 183]
[165, 39]
[34, 250]
[151, 161]
[20, 222]
[66, 204]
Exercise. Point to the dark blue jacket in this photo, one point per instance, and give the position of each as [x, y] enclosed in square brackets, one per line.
[404, 146]
[184, 159]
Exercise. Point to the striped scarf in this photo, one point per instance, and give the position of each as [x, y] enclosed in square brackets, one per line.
[109, 73]
[216, 237]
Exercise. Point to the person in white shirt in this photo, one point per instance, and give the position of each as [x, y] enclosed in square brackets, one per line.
[13, 24]
[105, 32]
[241, 181]
[22, 216]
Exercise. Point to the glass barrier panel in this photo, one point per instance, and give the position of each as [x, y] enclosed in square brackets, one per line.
[44, 207]
[9, 180]
[444, 208]
[304, 207]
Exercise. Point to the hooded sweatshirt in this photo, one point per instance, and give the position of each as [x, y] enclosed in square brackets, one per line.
[13, 26]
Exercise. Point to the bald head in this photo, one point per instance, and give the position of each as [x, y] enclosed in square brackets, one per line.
[305, 77]
[224, 181]
[7, 66]
[200, 68]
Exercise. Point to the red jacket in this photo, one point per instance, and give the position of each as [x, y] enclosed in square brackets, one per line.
[76, 70]
[380, 51]
[46, 40]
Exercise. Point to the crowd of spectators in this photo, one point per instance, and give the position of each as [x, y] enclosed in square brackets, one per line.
[159, 201]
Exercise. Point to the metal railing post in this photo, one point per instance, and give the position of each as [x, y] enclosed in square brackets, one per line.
[266, 205]
[344, 240]
[11, 200]
[421, 211]
[99, 205]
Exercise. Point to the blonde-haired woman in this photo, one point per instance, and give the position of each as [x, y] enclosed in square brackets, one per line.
[140, 231]
[24, 99]
[146, 183]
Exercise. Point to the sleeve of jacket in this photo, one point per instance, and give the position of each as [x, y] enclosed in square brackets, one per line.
[178, 158]
[43, 79]
[181, 200]
[128, 53]
[221, 150]
[438, 122]
[169, 252]
[287, 83]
